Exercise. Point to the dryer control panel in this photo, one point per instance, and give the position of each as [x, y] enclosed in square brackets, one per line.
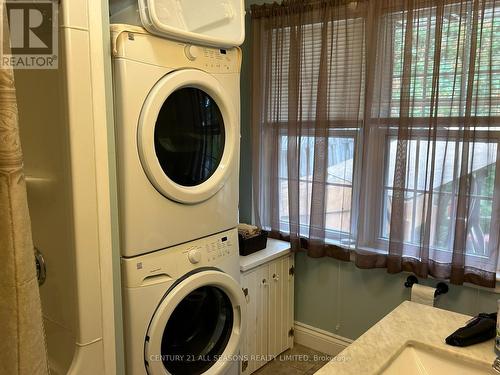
[147, 48]
[217, 60]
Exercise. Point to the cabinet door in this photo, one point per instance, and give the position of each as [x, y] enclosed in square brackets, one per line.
[280, 305]
[255, 342]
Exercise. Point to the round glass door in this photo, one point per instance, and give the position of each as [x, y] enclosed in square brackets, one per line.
[196, 328]
[197, 332]
[189, 136]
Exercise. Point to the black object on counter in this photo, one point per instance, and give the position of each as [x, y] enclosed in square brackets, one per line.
[478, 329]
[252, 244]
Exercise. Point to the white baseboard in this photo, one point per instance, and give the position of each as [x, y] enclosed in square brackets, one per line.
[320, 340]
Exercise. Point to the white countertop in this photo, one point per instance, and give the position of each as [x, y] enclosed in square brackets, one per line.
[409, 322]
[273, 250]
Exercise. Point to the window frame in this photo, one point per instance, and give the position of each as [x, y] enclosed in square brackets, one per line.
[371, 238]
[334, 131]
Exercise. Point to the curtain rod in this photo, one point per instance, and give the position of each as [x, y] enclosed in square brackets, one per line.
[248, 10]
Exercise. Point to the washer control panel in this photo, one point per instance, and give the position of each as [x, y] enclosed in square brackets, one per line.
[173, 262]
[211, 250]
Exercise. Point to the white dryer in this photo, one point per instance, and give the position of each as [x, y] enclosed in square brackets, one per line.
[177, 115]
[183, 309]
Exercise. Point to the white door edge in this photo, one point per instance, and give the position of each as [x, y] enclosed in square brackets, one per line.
[146, 142]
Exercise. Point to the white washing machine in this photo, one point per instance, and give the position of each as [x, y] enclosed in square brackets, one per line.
[177, 115]
[183, 309]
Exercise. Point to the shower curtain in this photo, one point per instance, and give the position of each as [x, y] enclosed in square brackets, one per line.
[22, 339]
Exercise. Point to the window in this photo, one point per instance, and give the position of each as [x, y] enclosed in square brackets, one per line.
[344, 58]
[433, 162]
[344, 109]
[444, 188]
[453, 70]
[342, 140]
[379, 126]
[339, 184]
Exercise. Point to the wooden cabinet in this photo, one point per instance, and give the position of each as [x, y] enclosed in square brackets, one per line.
[269, 324]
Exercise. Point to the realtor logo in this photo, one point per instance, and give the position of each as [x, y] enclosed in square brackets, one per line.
[33, 35]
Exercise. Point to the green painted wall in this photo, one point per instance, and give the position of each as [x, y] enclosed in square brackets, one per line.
[345, 300]
[246, 146]
[332, 295]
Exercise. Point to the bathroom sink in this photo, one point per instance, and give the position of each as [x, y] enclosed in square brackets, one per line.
[416, 358]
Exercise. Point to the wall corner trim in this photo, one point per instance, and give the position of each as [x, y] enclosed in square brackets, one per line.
[320, 340]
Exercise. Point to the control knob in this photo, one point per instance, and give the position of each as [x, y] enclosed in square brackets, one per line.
[191, 52]
[194, 256]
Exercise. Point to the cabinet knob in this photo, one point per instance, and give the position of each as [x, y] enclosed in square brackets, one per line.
[276, 277]
[247, 296]
[264, 282]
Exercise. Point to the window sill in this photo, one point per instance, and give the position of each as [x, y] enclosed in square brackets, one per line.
[496, 290]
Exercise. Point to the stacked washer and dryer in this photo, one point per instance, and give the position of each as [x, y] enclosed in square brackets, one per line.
[177, 114]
